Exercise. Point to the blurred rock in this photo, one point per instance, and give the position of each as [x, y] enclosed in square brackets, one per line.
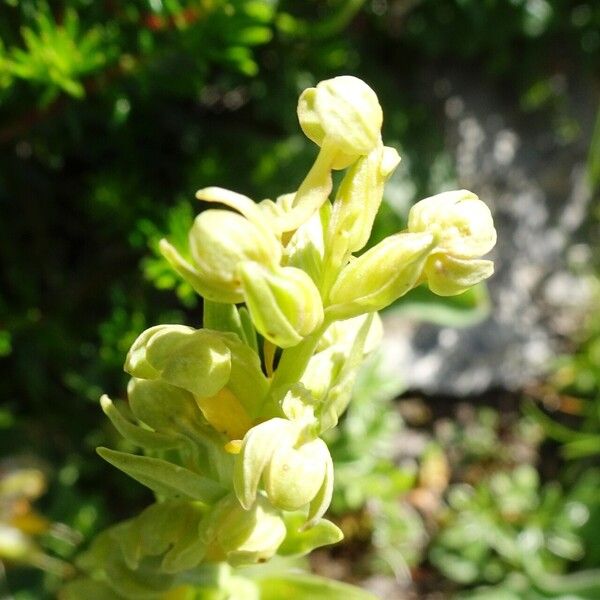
[533, 176]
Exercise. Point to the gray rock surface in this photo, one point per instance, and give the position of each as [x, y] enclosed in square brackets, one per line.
[536, 186]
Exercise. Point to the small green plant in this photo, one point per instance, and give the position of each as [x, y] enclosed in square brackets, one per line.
[231, 417]
[574, 390]
[502, 532]
[370, 487]
[56, 56]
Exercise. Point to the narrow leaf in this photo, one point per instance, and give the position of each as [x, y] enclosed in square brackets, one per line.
[164, 477]
[300, 541]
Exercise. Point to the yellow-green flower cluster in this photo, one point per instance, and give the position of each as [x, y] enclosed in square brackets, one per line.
[230, 416]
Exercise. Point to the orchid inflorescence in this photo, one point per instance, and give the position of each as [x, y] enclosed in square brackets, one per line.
[230, 417]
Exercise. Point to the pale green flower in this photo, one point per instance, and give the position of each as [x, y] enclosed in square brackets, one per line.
[218, 373]
[343, 117]
[220, 240]
[284, 304]
[295, 472]
[243, 535]
[461, 224]
[463, 230]
[343, 112]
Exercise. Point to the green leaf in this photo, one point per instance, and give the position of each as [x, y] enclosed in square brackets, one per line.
[299, 541]
[254, 36]
[163, 477]
[310, 587]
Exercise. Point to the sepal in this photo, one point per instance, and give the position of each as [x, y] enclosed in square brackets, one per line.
[220, 240]
[167, 529]
[258, 447]
[357, 201]
[191, 275]
[339, 392]
[343, 333]
[306, 248]
[164, 407]
[320, 503]
[295, 471]
[136, 362]
[197, 360]
[295, 475]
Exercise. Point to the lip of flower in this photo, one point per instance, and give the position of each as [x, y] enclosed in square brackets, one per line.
[449, 276]
[226, 414]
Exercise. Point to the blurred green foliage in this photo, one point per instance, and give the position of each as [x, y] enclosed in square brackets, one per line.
[570, 404]
[112, 114]
[370, 485]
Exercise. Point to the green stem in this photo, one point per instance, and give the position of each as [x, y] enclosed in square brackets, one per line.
[313, 191]
[294, 360]
[207, 575]
[222, 317]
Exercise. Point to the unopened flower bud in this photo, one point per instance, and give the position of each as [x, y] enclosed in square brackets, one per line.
[343, 117]
[381, 275]
[461, 224]
[345, 112]
[284, 304]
